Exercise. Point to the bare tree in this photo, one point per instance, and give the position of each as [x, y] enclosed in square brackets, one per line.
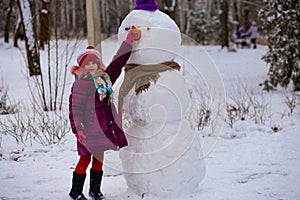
[8, 21]
[73, 23]
[19, 34]
[32, 51]
[73, 6]
[245, 19]
[44, 23]
[236, 14]
[170, 8]
[105, 18]
[224, 23]
[118, 11]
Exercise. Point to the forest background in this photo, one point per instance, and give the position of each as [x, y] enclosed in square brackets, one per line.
[209, 22]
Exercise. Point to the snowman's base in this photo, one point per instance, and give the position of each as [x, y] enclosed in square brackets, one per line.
[173, 172]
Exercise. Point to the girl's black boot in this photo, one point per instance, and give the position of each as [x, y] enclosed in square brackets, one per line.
[77, 186]
[95, 184]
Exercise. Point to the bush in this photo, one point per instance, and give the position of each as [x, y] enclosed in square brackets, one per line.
[4, 99]
[33, 124]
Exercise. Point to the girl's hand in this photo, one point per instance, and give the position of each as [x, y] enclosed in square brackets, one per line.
[133, 34]
[80, 136]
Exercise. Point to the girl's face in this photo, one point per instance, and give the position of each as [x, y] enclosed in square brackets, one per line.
[91, 66]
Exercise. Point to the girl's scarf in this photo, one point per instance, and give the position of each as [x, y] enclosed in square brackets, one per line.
[101, 80]
[103, 84]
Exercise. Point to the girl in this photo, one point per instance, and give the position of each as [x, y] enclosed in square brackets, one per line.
[253, 33]
[91, 116]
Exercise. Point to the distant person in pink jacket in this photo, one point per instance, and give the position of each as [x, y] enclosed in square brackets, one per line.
[252, 32]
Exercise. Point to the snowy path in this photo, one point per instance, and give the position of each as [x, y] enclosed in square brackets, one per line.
[261, 165]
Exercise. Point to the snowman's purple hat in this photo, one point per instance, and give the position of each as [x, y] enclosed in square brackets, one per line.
[149, 5]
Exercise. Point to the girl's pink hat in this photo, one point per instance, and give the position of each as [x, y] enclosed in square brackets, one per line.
[90, 54]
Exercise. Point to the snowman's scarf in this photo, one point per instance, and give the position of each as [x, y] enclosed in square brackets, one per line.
[140, 77]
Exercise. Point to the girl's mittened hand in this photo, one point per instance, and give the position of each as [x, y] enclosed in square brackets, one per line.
[136, 32]
[80, 136]
[133, 34]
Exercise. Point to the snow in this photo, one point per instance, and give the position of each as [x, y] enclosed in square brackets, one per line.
[249, 161]
[44, 11]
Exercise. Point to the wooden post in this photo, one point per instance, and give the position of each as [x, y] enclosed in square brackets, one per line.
[93, 23]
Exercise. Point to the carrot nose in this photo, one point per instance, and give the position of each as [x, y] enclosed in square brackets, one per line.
[136, 31]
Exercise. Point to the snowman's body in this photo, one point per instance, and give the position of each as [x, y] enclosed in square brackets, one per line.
[163, 155]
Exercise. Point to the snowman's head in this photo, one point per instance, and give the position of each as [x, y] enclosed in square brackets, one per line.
[161, 36]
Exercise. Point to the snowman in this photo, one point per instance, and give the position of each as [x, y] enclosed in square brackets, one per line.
[163, 153]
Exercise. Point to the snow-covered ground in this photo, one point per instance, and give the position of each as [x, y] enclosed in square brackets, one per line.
[249, 162]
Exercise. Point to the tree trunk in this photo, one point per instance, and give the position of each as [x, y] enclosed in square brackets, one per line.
[19, 34]
[61, 20]
[75, 32]
[208, 6]
[107, 21]
[103, 18]
[118, 12]
[236, 14]
[7, 21]
[131, 4]
[32, 51]
[182, 16]
[44, 24]
[68, 17]
[224, 24]
[77, 11]
[33, 57]
[246, 20]
[169, 7]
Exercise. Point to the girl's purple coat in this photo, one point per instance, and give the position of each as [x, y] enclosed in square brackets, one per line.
[94, 117]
